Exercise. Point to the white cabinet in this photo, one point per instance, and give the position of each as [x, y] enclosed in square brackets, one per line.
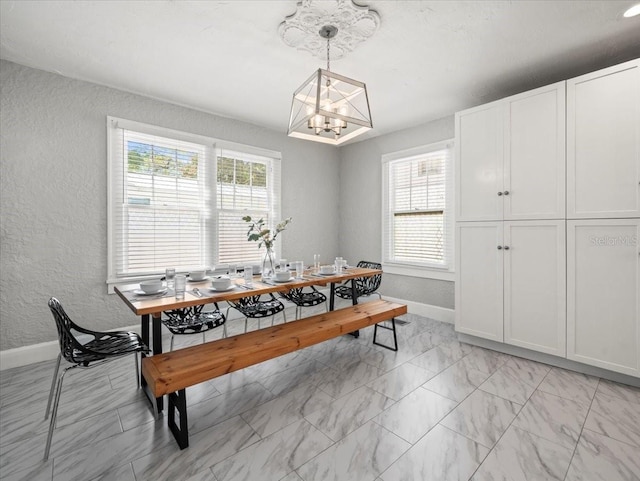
[603, 143]
[535, 285]
[603, 293]
[479, 159]
[479, 279]
[510, 158]
[510, 284]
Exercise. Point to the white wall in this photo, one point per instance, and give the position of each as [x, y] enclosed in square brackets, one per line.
[53, 195]
[361, 204]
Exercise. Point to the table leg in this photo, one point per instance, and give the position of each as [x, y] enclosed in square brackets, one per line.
[332, 296]
[354, 301]
[157, 333]
[157, 345]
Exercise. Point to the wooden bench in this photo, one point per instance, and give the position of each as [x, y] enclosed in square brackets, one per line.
[172, 372]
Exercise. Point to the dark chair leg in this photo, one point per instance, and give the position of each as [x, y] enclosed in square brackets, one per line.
[178, 403]
[392, 328]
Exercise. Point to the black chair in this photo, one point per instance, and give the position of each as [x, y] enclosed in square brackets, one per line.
[191, 320]
[365, 286]
[101, 347]
[304, 299]
[253, 307]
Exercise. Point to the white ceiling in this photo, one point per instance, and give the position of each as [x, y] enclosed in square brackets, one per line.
[427, 60]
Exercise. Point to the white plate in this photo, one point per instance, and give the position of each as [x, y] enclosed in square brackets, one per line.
[287, 280]
[206, 278]
[140, 292]
[327, 274]
[222, 290]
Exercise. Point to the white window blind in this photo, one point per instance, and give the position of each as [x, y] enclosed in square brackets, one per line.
[169, 206]
[416, 217]
[246, 185]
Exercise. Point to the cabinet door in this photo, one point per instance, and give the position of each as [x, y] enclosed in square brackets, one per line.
[478, 286]
[535, 285]
[603, 293]
[479, 159]
[603, 143]
[534, 177]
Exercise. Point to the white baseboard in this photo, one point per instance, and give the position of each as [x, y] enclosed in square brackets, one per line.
[46, 351]
[426, 310]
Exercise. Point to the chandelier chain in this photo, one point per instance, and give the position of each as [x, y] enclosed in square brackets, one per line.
[328, 59]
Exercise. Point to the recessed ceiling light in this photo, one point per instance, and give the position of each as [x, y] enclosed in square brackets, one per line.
[633, 11]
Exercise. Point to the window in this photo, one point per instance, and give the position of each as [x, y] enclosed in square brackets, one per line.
[177, 200]
[417, 215]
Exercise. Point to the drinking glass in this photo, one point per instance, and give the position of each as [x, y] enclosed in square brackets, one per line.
[282, 264]
[180, 283]
[338, 263]
[299, 269]
[316, 261]
[169, 275]
[248, 276]
[233, 270]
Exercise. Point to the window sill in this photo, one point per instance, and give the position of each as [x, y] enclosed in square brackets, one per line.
[422, 272]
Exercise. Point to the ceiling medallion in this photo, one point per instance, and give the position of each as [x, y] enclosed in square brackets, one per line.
[355, 24]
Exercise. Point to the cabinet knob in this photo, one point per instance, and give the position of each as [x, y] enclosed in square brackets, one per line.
[506, 192]
[499, 248]
[499, 194]
[506, 248]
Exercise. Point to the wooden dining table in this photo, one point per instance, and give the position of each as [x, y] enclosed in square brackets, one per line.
[150, 308]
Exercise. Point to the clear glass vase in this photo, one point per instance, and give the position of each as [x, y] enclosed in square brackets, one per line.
[268, 264]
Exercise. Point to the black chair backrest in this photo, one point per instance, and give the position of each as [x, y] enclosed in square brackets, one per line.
[368, 285]
[68, 343]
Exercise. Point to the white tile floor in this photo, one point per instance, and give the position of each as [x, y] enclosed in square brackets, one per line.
[342, 410]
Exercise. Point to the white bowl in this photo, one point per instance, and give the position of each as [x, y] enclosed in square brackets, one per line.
[197, 275]
[220, 283]
[329, 269]
[151, 286]
[283, 275]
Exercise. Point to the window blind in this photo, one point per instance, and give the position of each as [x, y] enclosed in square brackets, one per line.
[161, 211]
[246, 185]
[416, 223]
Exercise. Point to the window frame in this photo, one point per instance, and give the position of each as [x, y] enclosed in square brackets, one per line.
[429, 271]
[214, 147]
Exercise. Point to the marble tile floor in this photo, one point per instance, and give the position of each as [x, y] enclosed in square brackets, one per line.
[343, 410]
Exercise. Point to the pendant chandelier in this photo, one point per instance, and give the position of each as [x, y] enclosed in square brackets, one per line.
[329, 107]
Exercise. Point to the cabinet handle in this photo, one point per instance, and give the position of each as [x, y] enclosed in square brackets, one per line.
[506, 192]
[506, 248]
[499, 248]
[499, 194]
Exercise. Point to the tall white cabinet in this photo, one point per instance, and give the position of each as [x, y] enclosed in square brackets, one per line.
[510, 235]
[547, 219]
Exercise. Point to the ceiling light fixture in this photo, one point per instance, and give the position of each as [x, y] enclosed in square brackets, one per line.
[329, 107]
[632, 12]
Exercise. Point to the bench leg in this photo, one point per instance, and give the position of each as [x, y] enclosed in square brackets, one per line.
[178, 402]
[392, 328]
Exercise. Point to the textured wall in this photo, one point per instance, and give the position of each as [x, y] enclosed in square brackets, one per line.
[361, 204]
[53, 195]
